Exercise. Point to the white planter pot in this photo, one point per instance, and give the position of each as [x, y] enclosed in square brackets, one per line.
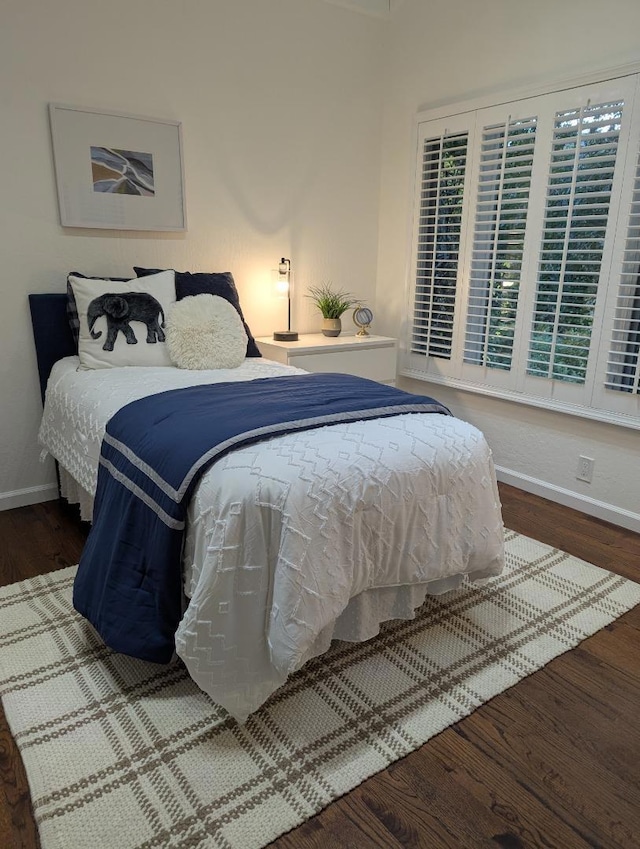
[331, 326]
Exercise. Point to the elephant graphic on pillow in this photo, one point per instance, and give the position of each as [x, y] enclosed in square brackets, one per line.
[120, 310]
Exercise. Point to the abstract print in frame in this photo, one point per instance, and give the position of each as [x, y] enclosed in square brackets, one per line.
[119, 172]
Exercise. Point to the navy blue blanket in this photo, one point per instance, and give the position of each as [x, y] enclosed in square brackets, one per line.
[129, 581]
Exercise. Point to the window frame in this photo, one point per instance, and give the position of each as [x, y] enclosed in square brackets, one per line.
[591, 399]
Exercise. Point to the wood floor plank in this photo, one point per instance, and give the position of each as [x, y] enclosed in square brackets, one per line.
[631, 618]
[347, 823]
[597, 804]
[598, 542]
[588, 685]
[553, 762]
[619, 647]
[418, 811]
[589, 725]
[528, 820]
[444, 793]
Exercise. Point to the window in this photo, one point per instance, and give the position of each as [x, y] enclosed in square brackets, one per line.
[526, 250]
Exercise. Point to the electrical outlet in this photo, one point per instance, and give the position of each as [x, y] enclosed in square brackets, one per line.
[585, 469]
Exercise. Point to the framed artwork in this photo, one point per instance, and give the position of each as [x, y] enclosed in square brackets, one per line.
[119, 172]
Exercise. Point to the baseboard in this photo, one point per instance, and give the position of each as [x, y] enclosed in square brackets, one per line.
[590, 506]
[29, 495]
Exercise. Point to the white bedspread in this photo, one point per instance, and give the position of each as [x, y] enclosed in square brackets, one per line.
[307, 537]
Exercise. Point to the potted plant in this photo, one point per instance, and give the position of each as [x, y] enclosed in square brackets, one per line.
[331, 303]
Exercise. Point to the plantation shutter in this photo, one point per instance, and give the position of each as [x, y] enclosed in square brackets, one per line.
[623, 360]
[579, 185]
[523, 212]
[441, 192]
[504, 184]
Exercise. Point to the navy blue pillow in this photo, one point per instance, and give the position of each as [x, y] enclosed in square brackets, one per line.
[202, 283]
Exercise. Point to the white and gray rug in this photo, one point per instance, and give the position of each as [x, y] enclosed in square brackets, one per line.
[123, 754]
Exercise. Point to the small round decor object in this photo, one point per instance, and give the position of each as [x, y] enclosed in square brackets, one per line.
[362, 318]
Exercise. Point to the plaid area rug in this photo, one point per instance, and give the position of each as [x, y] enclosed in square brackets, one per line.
[123, 754]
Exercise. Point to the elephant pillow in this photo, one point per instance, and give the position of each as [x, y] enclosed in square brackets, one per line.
[123, 323]
[72, 309]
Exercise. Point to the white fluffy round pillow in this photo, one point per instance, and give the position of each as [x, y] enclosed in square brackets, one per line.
[205, 332]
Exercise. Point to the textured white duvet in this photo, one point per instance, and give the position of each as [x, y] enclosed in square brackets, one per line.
[303, 538]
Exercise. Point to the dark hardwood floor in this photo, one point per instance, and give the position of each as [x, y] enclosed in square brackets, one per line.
[552, 762]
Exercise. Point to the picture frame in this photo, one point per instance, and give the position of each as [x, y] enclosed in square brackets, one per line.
[116, 171]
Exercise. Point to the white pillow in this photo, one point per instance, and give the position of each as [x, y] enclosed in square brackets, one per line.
[122, 322]
[205, 332]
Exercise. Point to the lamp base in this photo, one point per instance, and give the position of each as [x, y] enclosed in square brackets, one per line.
[286, 336]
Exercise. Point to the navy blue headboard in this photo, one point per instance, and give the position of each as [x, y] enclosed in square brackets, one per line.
[51, 332]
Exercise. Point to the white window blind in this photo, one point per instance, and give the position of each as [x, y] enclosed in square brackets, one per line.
[506, 160]
[438, 242]
[521, 287]
[623, 360]
[583, 158]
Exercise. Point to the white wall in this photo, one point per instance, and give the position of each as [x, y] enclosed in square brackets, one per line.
[280, 102]
[447, 50]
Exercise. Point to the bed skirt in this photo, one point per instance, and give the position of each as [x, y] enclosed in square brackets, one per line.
[71, 490]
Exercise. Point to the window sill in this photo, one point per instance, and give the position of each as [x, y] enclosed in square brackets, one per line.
[608, 417]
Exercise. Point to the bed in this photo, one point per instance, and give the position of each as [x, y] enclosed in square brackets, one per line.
[294, 541]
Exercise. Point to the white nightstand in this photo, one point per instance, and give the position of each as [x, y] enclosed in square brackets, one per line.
[365, 356]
